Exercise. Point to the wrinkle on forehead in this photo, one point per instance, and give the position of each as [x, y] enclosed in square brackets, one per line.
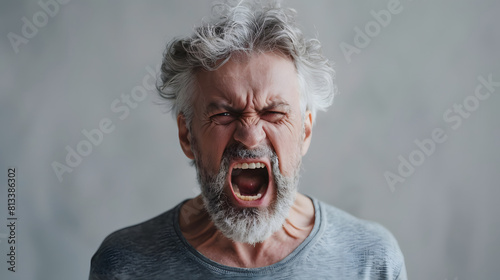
[246, 83]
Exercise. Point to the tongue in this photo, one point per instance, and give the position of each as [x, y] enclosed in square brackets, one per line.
[249, 181]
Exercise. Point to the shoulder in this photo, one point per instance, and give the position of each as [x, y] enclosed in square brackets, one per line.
[363, 243]
[345, 224]
[130, 250]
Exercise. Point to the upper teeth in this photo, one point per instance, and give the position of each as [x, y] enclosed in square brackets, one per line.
[251, 165]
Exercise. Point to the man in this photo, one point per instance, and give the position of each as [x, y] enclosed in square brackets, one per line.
[245, 89]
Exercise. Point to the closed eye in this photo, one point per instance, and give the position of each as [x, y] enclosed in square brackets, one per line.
[223, 118]
[273, 116]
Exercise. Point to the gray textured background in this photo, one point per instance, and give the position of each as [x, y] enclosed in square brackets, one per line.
[65, 78]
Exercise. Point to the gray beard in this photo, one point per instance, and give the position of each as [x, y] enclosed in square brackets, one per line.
[246, 225]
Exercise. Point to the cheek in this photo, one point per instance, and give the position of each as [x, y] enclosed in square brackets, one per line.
[212, 142]
[286, 144]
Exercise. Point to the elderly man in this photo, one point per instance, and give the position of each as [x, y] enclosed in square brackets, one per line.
[245, 89]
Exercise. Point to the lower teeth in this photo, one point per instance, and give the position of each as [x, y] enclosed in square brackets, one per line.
[245, 197]
[249, 197]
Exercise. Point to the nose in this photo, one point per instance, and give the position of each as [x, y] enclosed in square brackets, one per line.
[250, 134]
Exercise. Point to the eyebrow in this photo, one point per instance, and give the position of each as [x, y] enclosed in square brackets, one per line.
[215, 106]
[277, 105]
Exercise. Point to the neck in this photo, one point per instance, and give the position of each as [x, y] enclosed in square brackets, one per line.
[201, 233]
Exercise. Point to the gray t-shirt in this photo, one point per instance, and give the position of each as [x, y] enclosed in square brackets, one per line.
[339, 246]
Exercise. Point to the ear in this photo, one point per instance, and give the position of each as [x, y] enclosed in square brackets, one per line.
[184, 136]
[307, 132]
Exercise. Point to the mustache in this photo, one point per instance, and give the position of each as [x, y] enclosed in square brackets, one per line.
[239, 151]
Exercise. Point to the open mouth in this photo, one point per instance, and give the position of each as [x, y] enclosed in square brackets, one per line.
[249, 180]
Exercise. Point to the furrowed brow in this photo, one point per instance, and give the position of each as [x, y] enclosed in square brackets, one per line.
[216, 106]
[279, 105]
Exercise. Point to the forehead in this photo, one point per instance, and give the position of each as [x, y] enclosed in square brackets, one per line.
[249, 80]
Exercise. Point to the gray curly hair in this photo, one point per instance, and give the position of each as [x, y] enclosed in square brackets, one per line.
[245, 27]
